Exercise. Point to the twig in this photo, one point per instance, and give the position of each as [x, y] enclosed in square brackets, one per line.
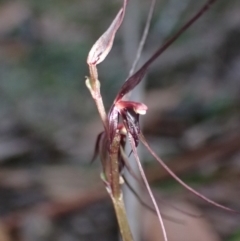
[144, 37]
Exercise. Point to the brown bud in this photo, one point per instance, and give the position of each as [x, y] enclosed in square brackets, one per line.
[102, 47]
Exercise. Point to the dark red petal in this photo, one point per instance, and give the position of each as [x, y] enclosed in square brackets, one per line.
[143, 140]
[138, 107]
[97, 147]
[148, 187]
[113, 119]
[135, 79]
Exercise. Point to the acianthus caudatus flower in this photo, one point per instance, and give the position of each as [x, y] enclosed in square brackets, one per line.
[121, 123]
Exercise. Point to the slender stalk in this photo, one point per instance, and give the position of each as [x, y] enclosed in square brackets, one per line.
[111, 166]
[116, 192]
[93, 85]
[122, 218]
[113, 176]
[143, 38]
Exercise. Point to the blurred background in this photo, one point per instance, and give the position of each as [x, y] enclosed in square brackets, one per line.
[48, 121]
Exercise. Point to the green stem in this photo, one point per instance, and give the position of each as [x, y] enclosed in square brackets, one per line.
[111, 168]
[116, 192]
[122, 218]
[93, 85]
[113, 176]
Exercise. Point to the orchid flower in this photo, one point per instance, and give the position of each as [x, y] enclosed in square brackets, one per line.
[121, 123]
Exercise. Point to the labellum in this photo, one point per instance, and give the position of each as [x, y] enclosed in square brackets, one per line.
[130, 111]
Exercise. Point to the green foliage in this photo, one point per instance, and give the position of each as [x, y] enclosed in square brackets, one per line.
[235, 236]
[56, 65]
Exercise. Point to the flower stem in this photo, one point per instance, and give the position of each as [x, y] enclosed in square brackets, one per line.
[122, 218]
[111, 167]
[116, 192]
[93, 85]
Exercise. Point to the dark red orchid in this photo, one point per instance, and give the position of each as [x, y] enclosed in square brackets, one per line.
[122, 120]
